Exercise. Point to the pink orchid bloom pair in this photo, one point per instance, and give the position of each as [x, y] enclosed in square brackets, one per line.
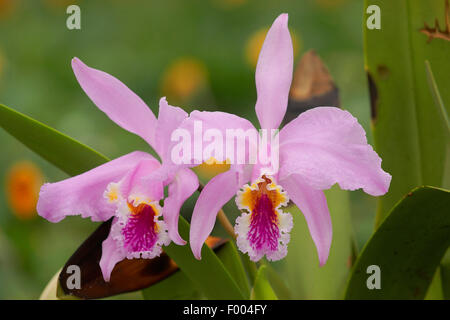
[127, 189]
[321, 147]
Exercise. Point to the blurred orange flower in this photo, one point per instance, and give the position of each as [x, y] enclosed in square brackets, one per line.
[183, 79]
[256, 40]
[7, 7]
[23, 182]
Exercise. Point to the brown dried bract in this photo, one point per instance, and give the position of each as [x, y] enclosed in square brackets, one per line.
[312, 86]
[311, 78]
[436, 32]
[128, 275]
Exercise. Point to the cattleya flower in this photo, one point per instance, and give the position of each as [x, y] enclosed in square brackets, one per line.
[117, 189]
[321, 147]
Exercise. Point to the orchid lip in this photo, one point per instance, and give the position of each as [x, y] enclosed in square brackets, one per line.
[141, 231]
[263, 228]
[138, 228]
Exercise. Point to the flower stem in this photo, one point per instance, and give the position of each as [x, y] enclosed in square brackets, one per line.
[222, 217]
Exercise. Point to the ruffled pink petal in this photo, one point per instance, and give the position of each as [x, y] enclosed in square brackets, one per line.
[83, 194]
[111, 255]
[218, 191]
[134, 183]
[181, 188]
[313, 205]
[169, 118]
[203, 127]
[274, 74]
[115, 99]
[327, 145]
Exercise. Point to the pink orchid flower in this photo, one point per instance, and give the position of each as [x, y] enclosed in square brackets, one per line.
[117, 189]
[319, 148]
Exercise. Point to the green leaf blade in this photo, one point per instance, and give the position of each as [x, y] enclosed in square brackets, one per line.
[262, 289]
[437, 95]
[408, 247]
[232, 261]
[57, 148]
[408, 133]
[208, 274]
[176, 287]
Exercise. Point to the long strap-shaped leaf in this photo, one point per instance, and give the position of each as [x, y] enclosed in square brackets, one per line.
[73, 157]
[408, 131]
[407, 247]
[208, 274]
[262, 289]
[66, 153]
[437, 95]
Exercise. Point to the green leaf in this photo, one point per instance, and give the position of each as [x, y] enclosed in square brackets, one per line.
[445, 275]
[440, 287]
[300, 268]
[435, 289]
[262, 289]
[408, 247]
[277, 283]
[176, 287]
[409, 134]
[229, 256]
[437, 95]
[208, 274]
[57, 148]
[179, 286]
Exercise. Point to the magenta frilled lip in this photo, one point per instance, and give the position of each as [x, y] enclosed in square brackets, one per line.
[263, 229]
[140, 233]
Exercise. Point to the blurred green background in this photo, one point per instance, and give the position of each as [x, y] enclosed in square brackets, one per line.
[200, 53]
